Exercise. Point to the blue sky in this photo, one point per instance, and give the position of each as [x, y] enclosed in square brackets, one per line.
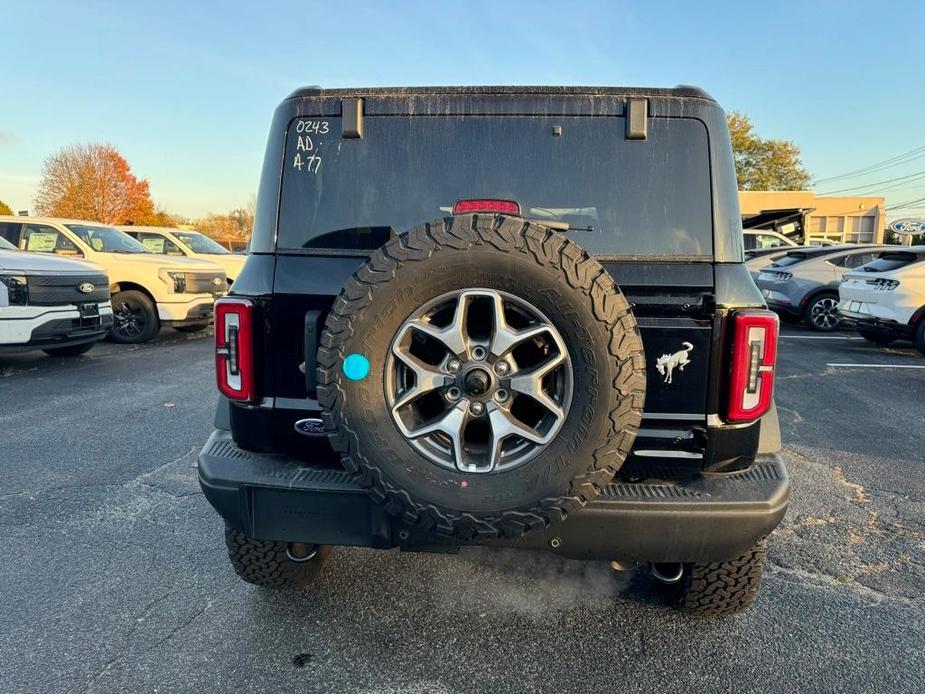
[186, 89]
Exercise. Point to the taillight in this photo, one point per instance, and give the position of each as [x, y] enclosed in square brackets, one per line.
[234, 348]
[754, 355]
[487, 205]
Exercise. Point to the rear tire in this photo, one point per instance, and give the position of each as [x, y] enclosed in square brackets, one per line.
[274, 564]
[70, 350]
[134, 318]
[876, 338]
[918, 338]
[821, 313]
[720, 588]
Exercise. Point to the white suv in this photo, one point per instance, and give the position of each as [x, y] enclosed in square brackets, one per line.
[148, 290]
[886, 297]
[56, 305]
[188, 243]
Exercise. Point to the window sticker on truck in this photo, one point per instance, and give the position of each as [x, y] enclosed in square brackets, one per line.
[42, 241]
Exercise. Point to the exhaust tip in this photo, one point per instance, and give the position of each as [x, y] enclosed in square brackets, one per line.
[667, 573]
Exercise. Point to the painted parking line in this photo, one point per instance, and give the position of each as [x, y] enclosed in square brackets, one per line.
[820, 337]
[879, 366]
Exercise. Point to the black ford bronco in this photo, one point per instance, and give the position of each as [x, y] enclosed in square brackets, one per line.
[515, 317]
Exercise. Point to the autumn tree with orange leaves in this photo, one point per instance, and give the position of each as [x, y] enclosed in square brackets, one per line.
[93, 182]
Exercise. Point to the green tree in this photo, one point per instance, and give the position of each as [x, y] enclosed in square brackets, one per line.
[764, 164]
[4, 208]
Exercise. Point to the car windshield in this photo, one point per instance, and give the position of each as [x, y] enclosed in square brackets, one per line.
[200, 243]
[615, 196]
[107, 239]
[6, 245]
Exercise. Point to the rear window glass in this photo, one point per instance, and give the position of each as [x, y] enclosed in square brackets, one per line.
[891, 261]
[623, 197]
[790, 259]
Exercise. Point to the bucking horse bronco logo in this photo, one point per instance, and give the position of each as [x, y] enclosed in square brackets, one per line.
[667, 363]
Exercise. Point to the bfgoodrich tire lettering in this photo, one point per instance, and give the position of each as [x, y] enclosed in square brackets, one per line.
[558, 278]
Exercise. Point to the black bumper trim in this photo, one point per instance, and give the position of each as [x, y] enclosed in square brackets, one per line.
[901, 331]
[711, 518]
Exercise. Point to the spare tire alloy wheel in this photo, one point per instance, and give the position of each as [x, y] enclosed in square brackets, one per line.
[506, 376]
[472, 393]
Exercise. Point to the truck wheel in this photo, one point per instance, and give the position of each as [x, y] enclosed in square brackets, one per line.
[918, 338]
[70, 350]
[821, 313]
[274, 564]
[134, 318]
[878, 339]
[483, 376]
[718, 588]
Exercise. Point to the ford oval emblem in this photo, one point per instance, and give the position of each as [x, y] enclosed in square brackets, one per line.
[86, 287]
[908, 226]
[310, 427]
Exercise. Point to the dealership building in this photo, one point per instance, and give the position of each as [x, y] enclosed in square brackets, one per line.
[806, 217]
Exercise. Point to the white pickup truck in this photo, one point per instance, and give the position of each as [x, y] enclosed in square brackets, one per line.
[57, 305]
[187, 243]
[148, 290]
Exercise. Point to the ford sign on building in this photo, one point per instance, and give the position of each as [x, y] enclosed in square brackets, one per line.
[909, 227]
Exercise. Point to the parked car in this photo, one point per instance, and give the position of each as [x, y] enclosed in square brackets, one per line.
[57, 305]
[761, 239]
[191, 244]
[886, 297]
[759, 258]
[451, 362]
[148, 290]
[804, 283]
[764, 247]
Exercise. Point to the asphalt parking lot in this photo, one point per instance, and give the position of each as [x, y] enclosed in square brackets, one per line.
[115, 576]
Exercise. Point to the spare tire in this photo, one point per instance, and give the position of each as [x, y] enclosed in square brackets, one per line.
[482, 375]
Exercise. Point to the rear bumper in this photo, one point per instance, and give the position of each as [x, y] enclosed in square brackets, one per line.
[712, 518]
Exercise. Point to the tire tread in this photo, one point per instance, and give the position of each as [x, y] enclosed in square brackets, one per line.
[721, 588]
[265, 563]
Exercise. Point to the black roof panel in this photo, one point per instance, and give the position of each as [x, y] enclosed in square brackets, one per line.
[681, 91]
